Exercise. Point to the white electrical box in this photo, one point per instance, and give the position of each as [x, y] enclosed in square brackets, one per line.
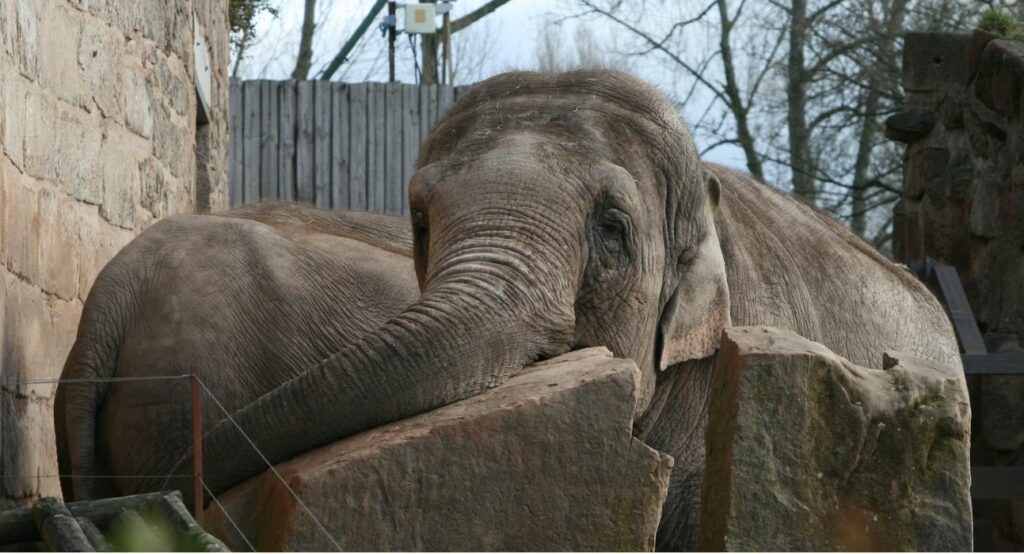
[419, 18]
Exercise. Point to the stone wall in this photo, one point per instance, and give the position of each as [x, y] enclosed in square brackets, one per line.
[98, 139]
[963, 204]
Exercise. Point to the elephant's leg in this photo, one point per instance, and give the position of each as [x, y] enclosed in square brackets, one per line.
[675, 424]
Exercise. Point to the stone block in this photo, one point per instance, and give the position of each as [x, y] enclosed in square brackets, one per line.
[12, 117]
[933, 61]
[26, 447]
[168, 24]
[100, 241]
[999, 84]
[58, 267]
[26, 43]
[809, 452]
[8, 31]
[173, 141]
[137, 69]
[63, 146]
[100, 54]
[546, 461]
[59, 37]
[64, 318]
[26, 337]
[87, 226]
[21, 224]
[169, 79]
[121, 176]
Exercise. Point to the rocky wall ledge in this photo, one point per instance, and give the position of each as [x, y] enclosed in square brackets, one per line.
[545, 462]
[808, 452]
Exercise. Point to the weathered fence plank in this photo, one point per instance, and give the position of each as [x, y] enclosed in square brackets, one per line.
[304, 154]
[410, 138]
[286, 139]
[251, 141]
[445, 99]
[347, 146]
[339, 146]
[393, 153]
[425, 120]
[235, 129]
[322, 143]
[378, 182]
[358, 139]
[268, 140]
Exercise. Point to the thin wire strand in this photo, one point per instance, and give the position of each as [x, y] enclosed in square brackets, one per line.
[90, 476]
[231, 520]
[269, 465]
[95, 380]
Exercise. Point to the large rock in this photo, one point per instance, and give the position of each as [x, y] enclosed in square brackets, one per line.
[545, 462]
[807, 451]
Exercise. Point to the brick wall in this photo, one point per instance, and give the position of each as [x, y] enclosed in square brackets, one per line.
[98, 139]
[963, 203]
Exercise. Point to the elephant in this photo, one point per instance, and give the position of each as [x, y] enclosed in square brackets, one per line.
[549, 212]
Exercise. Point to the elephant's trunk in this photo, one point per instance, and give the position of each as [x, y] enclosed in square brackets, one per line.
[482, 317]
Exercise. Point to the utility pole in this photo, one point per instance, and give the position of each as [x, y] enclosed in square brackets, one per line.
[392, 31]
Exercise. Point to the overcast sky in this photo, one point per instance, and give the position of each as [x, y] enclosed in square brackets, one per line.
[507, 39]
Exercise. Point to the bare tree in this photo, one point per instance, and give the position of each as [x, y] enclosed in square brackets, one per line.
[800, 86]
[242, 20]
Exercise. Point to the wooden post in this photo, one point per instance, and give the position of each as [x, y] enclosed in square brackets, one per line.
[197, 446]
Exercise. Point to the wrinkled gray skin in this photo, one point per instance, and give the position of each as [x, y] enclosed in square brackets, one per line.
[550, 212]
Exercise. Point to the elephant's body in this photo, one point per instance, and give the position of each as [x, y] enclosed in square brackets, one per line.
[624, 248]
[252, 297]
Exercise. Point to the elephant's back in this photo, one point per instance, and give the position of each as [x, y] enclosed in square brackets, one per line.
[792, 266]
[250, 304]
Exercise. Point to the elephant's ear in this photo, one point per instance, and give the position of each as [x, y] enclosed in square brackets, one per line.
[698, 300]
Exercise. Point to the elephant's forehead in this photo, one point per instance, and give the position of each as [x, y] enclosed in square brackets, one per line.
[521, 159]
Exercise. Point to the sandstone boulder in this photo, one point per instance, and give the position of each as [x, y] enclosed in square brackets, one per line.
[809, 452]
[547, 461]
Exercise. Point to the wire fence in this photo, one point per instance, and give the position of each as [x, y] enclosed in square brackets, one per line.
[14, 384]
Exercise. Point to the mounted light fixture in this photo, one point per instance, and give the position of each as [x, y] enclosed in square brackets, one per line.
[419, 18]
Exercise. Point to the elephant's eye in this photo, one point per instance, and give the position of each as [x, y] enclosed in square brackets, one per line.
[612, 226]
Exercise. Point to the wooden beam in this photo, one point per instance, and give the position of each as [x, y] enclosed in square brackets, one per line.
[959, 309]
[994, 364]
[18, 525]
[58, 528]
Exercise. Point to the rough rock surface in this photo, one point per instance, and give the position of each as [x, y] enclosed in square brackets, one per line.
[807, 451]
[963, 204]
[547, 461]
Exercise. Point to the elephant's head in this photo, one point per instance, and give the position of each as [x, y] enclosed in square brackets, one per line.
[576, 203]
[551, 211]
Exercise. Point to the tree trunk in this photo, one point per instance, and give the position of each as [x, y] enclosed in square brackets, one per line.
[428, 56]
[305, 58]
[732, 92]
[796, 95]
[865, 144]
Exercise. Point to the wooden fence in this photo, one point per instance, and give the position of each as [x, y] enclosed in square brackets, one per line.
[335, 145]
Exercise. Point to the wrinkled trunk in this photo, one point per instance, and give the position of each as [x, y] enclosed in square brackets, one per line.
[472, 328]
